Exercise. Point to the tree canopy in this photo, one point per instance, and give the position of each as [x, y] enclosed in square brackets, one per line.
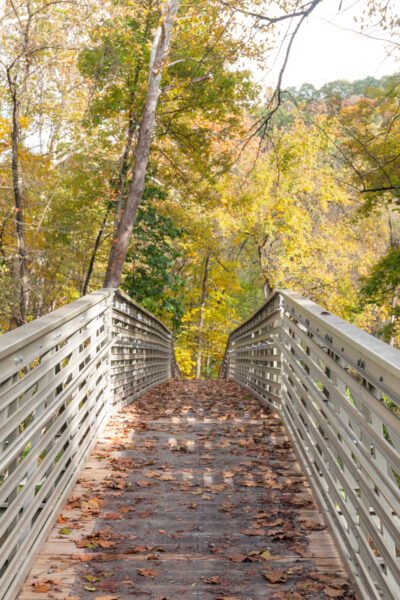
[108, 113]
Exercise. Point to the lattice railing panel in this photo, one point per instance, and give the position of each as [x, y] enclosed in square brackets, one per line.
[340, 401]
[60, 377]
[252, 356]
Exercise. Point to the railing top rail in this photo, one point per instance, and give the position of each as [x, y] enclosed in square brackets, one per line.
[359, 341]
[14, 340]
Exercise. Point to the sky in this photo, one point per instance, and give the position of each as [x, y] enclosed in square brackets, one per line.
[329, 47]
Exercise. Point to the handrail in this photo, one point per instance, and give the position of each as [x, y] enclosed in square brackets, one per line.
[60, 378]
[337, 390]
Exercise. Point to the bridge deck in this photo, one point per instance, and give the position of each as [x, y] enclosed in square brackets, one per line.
[193, 492]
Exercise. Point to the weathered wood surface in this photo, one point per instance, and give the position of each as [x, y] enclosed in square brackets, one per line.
[193, 492]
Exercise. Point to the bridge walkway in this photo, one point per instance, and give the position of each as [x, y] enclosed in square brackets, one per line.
[192, 492]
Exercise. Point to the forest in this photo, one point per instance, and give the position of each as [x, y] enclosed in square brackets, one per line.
[233, 190]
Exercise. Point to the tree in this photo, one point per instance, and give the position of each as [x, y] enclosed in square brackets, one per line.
[151, 277]
[160, 47]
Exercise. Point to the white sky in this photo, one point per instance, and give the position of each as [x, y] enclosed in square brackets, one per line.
[329, 47]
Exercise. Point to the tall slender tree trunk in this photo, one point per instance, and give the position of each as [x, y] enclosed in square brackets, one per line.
[123, 171]
[123, 235]
[17, 94]
[201, 314]
[94, 252]
[393, 318]
[23, 273]
[394, 242]
[267, 288]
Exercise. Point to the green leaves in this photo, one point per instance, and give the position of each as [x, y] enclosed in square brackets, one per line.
[151, 278]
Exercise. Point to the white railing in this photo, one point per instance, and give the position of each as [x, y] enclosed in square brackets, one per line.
[337, 390]
[60, 377]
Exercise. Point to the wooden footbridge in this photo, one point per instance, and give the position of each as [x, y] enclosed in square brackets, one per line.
[280, 480]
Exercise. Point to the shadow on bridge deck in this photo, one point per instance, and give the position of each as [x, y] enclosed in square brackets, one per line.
[193, 492]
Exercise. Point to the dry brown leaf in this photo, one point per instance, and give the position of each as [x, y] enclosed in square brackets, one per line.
[106, 543]
[46, 583]
[215, 580]
[238, 558]
[253, 531]
[40, 587]
[312, 525]
[274, 576]
[333, 592]
[147, 572]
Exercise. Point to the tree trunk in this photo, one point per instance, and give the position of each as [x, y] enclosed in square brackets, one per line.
[94, 253]
[123, 235]
[267, 288]
[123, 171]
[23, 274]
[393, 318]
[201, 315]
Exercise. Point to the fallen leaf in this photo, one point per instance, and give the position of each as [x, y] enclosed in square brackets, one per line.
[40, 587]
[333, 592]
[215, 580]
[253, 531]
[238, 558]
[147, 572]
[106, 543]
[268, 556]
[312, 525]
[274, 576]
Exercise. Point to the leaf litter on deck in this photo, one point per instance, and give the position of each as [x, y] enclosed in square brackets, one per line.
[195, 493]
